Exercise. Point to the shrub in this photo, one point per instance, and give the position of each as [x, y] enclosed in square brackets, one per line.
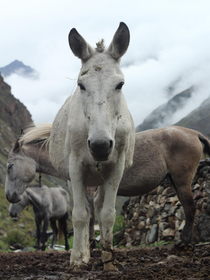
[18, 236]
[119, 224]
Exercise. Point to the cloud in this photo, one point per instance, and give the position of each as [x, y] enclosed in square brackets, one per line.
[169, 44]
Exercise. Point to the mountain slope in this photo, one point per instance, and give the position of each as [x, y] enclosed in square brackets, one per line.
[13, 117]
[161, 116]
[198, 119]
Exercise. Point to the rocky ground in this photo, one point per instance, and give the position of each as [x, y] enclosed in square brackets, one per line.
[163, 262]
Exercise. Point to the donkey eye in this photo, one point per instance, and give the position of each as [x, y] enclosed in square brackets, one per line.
[119, 86]
[81, 87]
[9, 166]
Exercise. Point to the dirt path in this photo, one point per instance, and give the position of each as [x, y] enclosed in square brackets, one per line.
[142, 263]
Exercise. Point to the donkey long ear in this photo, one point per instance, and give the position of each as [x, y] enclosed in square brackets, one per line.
[120, 42]
[16, 146]
[79, 46]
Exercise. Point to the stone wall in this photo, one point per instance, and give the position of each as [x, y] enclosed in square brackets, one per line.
[159, 215]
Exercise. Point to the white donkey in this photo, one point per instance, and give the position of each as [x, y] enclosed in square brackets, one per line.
[92, 140]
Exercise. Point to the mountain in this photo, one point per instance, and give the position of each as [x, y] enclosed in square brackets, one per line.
[13, 117]
[162, 115]
[198, 119]
[17, 67]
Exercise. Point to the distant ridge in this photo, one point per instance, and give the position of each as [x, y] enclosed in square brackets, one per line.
[17, 67]
[198, 119]
[162, 115]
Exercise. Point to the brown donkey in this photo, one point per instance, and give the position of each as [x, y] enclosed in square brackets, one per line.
[172, 152]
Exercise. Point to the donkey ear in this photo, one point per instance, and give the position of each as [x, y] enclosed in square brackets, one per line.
[79, 46]
[16, 146]
[120, 42]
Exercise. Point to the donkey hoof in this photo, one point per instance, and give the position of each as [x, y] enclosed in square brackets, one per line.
[75, 269]
[109, 267]
[182, 246]
[86, 266]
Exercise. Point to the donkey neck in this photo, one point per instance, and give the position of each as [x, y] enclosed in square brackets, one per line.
[41, 156]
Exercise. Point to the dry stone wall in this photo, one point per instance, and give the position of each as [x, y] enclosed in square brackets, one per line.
[159, 215]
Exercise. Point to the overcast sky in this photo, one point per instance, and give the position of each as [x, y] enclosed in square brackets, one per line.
[170, 44]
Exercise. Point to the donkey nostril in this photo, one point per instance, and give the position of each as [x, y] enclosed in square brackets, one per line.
[89, 144]
[111, 144]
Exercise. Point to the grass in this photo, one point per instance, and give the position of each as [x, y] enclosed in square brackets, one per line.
[162, 242]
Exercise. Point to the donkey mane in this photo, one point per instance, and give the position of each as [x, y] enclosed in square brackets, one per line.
[36, 134]
[100, 46]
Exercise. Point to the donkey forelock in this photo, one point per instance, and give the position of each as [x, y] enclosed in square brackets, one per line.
[100, 46]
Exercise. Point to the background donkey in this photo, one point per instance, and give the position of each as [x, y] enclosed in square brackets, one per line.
[49, 204]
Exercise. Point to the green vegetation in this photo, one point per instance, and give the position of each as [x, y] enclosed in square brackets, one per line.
[158, 244]
[119, 224]
[19, 236]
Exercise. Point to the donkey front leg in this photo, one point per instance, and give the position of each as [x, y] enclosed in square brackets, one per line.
[90, 191]
[105, 208]
[44, 233]
[80, 219]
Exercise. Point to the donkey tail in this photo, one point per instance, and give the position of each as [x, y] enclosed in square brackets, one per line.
[60, 231]
[206, 143]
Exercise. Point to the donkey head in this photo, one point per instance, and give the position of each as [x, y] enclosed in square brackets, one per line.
[100, 84]
[21, 171]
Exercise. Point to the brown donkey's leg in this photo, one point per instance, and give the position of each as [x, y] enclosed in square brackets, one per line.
[184, 192]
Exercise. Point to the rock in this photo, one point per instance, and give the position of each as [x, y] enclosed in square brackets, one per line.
[180, 213]
[18, 246]
[150, 212]
[168, 232]
[199, 203]
[177, 236]
[181, 226]
[141, 225]
[169, 199]
[197, 194]
[21, 225]
[135, 215]
[153, 236]
[172, 211]
[170, 191]
[162, 199]
[196, 187]
[167, 206]
[143, 239]
[204, 206]
[172, 220]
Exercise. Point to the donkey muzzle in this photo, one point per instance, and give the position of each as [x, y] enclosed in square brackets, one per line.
[100, 148]
[13, 197]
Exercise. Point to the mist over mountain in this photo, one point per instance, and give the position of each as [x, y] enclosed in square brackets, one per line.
[198, 119]
[163, 115]
[17, 67]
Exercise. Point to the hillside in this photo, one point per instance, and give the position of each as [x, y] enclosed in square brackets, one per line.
[13, 117]
[198, 119]
[162, 115]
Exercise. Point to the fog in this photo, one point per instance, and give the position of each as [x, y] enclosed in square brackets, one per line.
[169, 46]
